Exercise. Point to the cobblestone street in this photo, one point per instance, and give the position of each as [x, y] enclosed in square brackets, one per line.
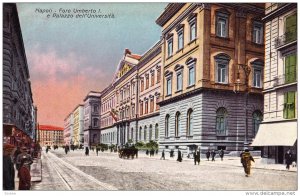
[75, 171]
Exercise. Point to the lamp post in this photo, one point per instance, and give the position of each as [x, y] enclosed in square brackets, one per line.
[247, 71]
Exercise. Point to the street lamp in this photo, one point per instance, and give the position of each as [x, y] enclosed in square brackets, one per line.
[247, 71]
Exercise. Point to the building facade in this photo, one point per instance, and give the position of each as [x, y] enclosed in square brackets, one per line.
[68, 129]
[77, 137]
[278, 131]
[212, 65]
[51, 135]
[92, 118]
[18, 114]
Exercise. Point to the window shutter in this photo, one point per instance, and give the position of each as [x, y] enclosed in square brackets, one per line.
[291, 28]
[287, 69]
[292, 68]
[285, 110]
[291, 107]
[219, 27]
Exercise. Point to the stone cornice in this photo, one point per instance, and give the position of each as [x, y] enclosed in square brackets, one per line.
[279, 11]
[169, 11]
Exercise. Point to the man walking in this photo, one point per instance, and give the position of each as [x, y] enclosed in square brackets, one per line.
[195, 157]
[213, 154]
[198, 156]
[288, 159]
[221, 154]
[207, 155]
[179, 158]
[246, 161]
[162, 155]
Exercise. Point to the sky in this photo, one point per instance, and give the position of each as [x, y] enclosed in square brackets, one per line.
[68, 57]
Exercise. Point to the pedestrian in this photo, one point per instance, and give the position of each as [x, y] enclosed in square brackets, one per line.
[24, 155]
[213, 154]
[294, 157]
[16, 154]
[8, 168]
[66, 149]
[288, 159]
[198, 157]
[172, 153]
[87, 151]
[179, 157]
[97, 150]
[246, 161]
[195, 157]
[162, 155]
[47, 150]
[147, 152]
[207, 155]
[24, 176]
[221, 153]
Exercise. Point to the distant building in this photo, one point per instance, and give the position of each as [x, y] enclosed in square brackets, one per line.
[18, 109]
[68, 129]
[91, 118]
[77, 137]
[278, 131]
[49, 135]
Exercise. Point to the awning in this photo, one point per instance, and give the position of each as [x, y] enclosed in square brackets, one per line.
[276, 134]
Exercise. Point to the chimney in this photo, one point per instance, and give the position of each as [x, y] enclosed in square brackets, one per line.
[127, 51]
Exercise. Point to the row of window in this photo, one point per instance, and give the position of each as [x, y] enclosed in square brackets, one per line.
[108, 121]
[144, 106]
[221, 27]
[180, 36]
[221, 123]
[148, 135]
[145, 84]
[108, 137]
[108, 104]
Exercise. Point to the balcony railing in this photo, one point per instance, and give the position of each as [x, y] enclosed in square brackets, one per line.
[286, 38]
[285, 79]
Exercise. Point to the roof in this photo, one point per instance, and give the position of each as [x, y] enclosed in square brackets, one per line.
[50, 128]
[135, 56]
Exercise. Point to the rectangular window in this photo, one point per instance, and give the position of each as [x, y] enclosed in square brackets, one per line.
[291, 68]
[158, 75]
[141, 108]
[147, 82]
[152, 79]
[146, 107]
[258, 32]
[193, 30]
[151, 105]
[180, 39]
[169, 86]
[142, 85]
[170, 47]
[157, 106]
[257, 78]
[291, 28]
[289, 105]
[179, 81]
[222, 25]
[221, 73]
[191, 75]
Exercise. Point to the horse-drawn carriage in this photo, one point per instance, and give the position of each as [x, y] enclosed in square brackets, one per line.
[128, 152]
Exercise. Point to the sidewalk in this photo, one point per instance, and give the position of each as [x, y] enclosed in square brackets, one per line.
[227, 161]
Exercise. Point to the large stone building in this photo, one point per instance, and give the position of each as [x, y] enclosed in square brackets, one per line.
[129, 110]
[91, 117]
[212, 72]
[49, 135]
[77, 138]
[18, 109]
[278, 132]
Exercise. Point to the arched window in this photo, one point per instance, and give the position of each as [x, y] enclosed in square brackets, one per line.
[221, 121]
[145, 133]
[257, 117]
[150, 132]
[156, 131]
[131, 137]
[95, 122]
[167, 125]
[177, 124]
[190, 122]
[140, 134]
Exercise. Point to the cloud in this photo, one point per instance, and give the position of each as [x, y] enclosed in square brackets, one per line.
[60, 83]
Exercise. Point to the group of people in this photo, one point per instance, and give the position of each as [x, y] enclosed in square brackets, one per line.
[19, 159]
[212, 154]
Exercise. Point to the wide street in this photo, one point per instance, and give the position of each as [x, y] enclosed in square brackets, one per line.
[75, 171]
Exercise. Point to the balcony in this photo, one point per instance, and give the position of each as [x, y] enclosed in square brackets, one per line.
[285, 39]
[285, 79]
